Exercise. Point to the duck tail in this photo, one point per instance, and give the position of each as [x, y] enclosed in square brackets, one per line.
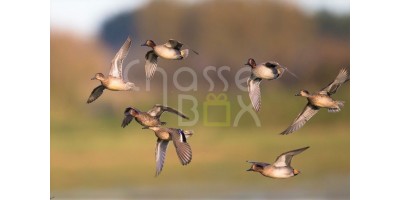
[131, 86]
[184, 53]
[340, 105]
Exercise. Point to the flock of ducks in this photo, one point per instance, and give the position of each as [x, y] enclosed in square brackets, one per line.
[171, 50]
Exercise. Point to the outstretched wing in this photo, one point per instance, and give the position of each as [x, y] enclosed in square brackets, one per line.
[151, 64]
[127, 119]
[158, 109]
[96, 93]
[116, 63]
[301, 119]
[341, 78]
[253, 86]
[284, 159]
[183, 149]
[161, 149]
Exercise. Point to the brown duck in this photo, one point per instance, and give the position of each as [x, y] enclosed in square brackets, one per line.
[114, 81]
[149, 118]
[281, 168]
[320, 99]
[179, 138]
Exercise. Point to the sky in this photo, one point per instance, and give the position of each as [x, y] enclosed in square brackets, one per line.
[86, 16]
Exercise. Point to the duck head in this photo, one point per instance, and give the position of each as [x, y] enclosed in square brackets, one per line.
[251, 62]
[132, 111]
[149, 43]
[98, 76]
[255, 168]
[303, 93]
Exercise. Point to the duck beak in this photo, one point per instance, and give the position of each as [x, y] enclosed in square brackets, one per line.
[145, 127]
[296, 172]
[143, 45]
[297, 94]
[250, 170]
[94, 78]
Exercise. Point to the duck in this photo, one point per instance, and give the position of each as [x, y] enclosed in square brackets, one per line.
[179, 138]
[281, 168]
[114, 81]
[170, 50]
[149, 118]
[317, 100]
[270, 70]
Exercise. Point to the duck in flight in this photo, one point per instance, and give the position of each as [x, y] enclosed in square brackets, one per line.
[281, 168]
[114, 81]
[178, 137]
[170, 50]
[149, 118]
[269, 71]
[320, 99]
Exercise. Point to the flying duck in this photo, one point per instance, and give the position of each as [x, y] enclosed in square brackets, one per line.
[114, 81]
[149, 118]
[281, 168]
[170, 50]
[178, 136]
[269, 71]
[320, 99]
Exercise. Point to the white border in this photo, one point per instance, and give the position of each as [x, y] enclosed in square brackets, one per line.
[25, 100]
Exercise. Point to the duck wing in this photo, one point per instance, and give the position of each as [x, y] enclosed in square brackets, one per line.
[284, 159]
[158, 109]
[127, 119]
[161, 149]
[116, 63]
[253, 86]
[301, 119]
[151, 63]
[341, 78]
[96, 93]
[183, 149]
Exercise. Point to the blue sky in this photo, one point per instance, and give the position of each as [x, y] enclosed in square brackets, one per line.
[86, 16]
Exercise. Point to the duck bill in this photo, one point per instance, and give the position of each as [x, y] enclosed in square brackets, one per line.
[297, 94]
[94, 78]
[146, 127]
[250, 170]
[143, 45]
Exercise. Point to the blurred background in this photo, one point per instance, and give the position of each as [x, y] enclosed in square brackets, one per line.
[93, 157]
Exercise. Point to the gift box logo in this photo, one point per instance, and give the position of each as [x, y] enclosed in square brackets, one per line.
[217, 110]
